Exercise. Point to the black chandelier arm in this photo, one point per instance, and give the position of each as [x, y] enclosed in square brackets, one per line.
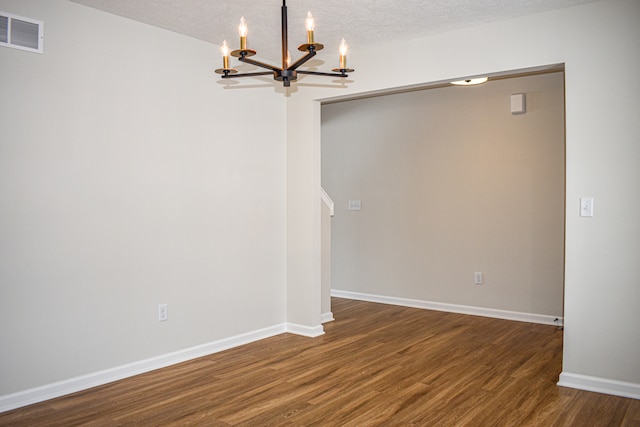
[258, 63]
[318, 73]
[260, 73]
[302, 60]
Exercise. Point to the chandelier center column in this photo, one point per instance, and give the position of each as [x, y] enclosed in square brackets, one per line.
[285, 35]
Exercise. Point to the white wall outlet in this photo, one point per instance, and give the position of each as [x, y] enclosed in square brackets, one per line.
[163, 312]
[477, 278]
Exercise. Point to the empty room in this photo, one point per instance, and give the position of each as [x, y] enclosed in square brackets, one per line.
[169, 254]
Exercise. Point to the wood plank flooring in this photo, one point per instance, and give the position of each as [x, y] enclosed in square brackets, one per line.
[377, 365]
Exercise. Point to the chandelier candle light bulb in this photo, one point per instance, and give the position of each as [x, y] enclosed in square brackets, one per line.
[242, 29]
[343, 54]
[225, 54]
[310, 25]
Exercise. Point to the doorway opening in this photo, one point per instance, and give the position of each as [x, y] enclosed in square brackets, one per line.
[434, 185]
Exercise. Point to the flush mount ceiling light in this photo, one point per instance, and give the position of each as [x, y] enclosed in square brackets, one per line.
[470, 82]
[288, 72]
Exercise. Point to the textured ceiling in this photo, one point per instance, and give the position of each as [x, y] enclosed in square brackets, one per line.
[362, 22]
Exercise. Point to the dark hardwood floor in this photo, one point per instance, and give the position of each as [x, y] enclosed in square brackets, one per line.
[376, 365]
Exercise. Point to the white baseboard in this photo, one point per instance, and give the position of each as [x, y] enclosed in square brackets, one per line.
[452, 308]
[600, 385]
[306, 331]
[326, 317]
[72, 385]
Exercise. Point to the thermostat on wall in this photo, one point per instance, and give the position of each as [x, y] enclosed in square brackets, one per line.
[518, 103]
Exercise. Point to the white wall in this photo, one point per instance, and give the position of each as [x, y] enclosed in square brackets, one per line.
[451, 183]
[129, 177]
[598, 43]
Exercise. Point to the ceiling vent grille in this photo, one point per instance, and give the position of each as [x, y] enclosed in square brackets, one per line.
[21, 33]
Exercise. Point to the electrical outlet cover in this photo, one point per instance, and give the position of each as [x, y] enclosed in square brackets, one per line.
[478, 278]
[163, 312]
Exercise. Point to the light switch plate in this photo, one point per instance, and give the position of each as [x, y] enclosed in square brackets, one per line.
[355, 205]
[586, 206]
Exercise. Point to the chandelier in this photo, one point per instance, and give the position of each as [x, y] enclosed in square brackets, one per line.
[288, 72]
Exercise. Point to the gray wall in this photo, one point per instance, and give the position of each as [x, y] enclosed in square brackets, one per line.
[123, 185]
[451, 183]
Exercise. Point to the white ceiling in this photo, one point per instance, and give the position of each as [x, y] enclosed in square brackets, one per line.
[362, 22]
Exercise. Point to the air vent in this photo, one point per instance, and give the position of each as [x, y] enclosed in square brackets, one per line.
[21, 33]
